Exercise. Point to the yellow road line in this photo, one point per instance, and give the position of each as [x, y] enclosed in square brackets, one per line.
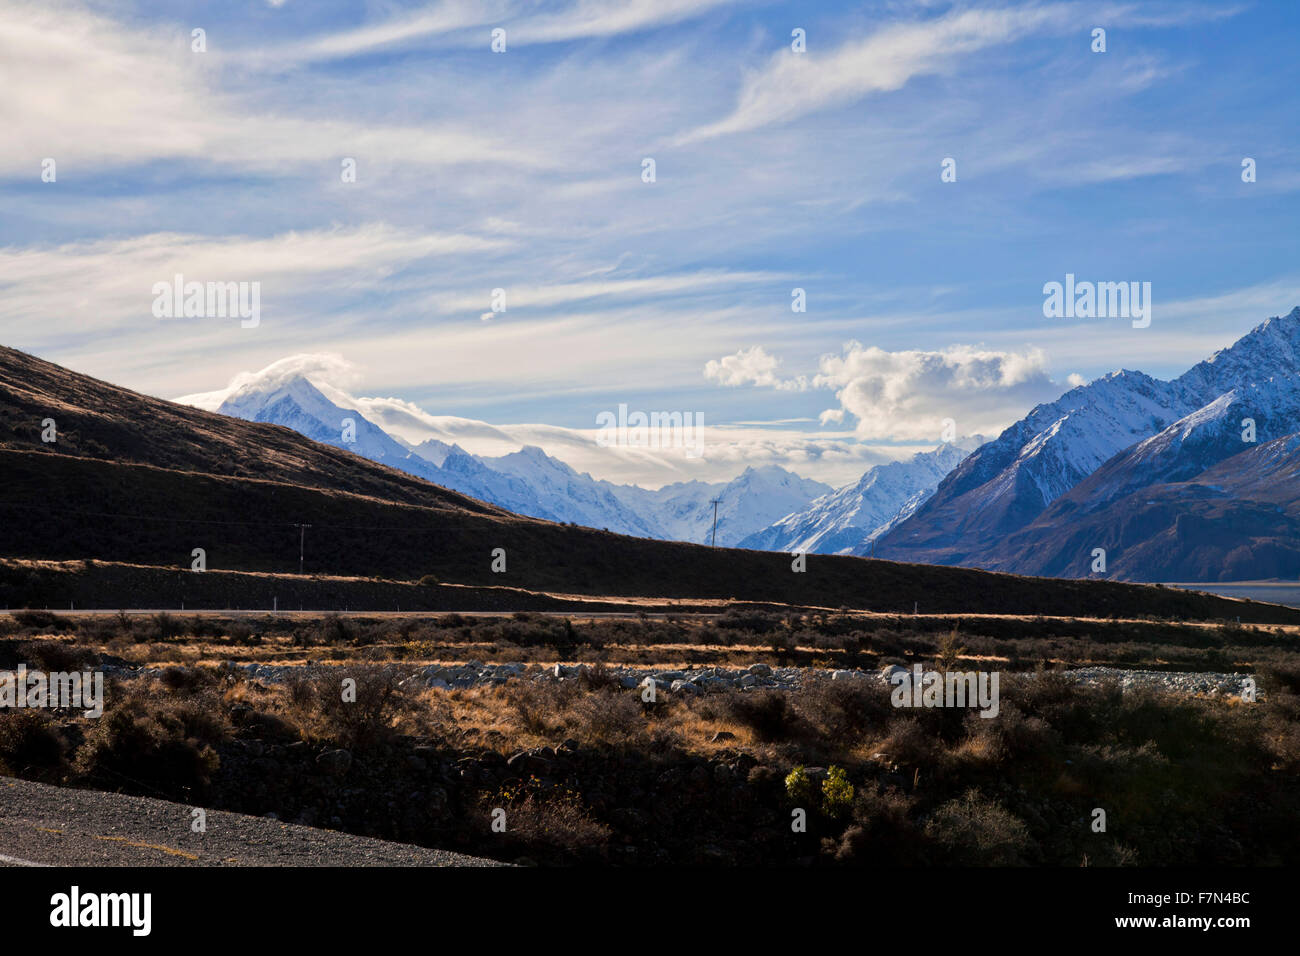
[149, 846]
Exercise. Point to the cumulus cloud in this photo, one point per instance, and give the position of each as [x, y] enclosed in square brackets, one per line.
[751, 366]
[907, 395]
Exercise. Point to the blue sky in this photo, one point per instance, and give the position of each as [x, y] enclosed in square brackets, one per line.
[522, 170]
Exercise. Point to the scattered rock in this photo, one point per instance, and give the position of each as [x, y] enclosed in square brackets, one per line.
[334, 762]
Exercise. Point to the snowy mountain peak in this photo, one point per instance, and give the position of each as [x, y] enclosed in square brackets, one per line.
[844, 520]
[1142, 430]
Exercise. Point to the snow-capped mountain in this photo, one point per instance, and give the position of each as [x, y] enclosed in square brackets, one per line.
[568, 495]
[846, 520]
[299, 405]
[746, 504]
[532, 483]
[1143, 431]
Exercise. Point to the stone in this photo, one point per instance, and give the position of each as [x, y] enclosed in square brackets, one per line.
[334, 762]
[529, 762]
[888, 674]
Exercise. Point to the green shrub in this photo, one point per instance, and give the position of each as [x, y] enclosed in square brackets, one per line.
[837, 793]
[799, 787]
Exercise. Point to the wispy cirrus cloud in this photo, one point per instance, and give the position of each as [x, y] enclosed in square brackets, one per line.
[96, 93]
[466, 22]
[792, 85]
[106, 282]
[628, 287]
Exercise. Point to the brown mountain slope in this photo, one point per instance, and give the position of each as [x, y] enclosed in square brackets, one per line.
[1236, 521]
[142, 481]
[97, 420]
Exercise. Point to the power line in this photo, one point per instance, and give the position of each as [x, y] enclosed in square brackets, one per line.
[713, 542]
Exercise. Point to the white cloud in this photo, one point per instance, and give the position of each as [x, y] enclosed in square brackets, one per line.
[602, 18]
[794, 84]
[907, 395]
[328, 369]
[751, 366]
[434, 20]
[561, 293]
[455, 21]
[80, 286]
[96, 93]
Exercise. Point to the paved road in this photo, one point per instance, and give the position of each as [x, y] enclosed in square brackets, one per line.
[42, 825]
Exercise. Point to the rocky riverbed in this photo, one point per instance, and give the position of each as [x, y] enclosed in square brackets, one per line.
[698, 680]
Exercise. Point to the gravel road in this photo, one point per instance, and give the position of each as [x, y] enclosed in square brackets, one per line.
[42, 825]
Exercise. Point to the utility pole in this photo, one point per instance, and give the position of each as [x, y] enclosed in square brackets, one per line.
[302, 531]
[713, 542]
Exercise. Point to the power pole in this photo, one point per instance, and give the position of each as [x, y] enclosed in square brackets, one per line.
[302, 532]
[713, 542]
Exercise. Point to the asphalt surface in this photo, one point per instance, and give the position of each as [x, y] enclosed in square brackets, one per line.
[41, 825]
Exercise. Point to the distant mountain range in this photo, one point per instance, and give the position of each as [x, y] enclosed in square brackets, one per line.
[530, 482]
[848, 519]
[1191, 479]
